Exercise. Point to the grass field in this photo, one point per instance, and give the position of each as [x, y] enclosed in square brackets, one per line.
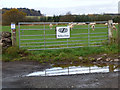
[13, 53]
[34, 39]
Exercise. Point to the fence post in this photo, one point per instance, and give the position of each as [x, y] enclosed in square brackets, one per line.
[88, 35]
[19, 33]
[110, 31]
[13, 30]
[44, 37]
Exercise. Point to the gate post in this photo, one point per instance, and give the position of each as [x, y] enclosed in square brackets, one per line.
[110, 31]
[88, 35]
[19, 33]
[13, 30]
[44, 37]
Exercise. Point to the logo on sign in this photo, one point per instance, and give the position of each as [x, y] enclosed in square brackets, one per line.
[63, 30]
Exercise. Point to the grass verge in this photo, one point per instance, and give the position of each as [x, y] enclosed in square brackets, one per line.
[55, 56]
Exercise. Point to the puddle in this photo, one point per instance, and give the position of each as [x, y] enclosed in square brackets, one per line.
[55, 71]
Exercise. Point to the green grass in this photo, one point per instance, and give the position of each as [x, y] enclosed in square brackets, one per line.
[61, 55]
[38, 17]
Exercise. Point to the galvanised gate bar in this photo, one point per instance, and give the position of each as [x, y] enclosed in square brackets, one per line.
[42, 35]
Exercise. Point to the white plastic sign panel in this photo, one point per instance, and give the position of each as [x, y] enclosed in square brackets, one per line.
[12, 26]
[62, 32]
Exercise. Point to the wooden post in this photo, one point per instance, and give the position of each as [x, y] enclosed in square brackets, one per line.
[110, 31]
[13, 31]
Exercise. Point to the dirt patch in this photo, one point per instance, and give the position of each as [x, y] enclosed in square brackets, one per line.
[13, 77]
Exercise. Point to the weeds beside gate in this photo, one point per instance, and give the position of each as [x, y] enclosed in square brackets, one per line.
[40, 36]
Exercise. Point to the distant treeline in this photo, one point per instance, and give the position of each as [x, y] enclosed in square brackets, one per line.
[29, 12]
[30, 15]
[75, 18]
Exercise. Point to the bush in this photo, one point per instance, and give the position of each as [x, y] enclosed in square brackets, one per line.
[12, 53]
[14, 15]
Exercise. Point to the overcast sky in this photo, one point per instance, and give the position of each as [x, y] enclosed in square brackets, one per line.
[60, 7]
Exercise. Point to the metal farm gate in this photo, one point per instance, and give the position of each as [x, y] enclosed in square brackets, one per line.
[42, 35]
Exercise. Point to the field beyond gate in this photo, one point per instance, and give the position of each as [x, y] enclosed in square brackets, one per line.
[39, 36]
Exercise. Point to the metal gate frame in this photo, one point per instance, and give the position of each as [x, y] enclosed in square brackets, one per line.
[67, 45]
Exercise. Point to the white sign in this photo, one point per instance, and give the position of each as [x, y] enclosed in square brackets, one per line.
[12, 26]
[62, 32]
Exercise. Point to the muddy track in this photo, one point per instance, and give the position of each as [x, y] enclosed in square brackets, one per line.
[13, 77]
